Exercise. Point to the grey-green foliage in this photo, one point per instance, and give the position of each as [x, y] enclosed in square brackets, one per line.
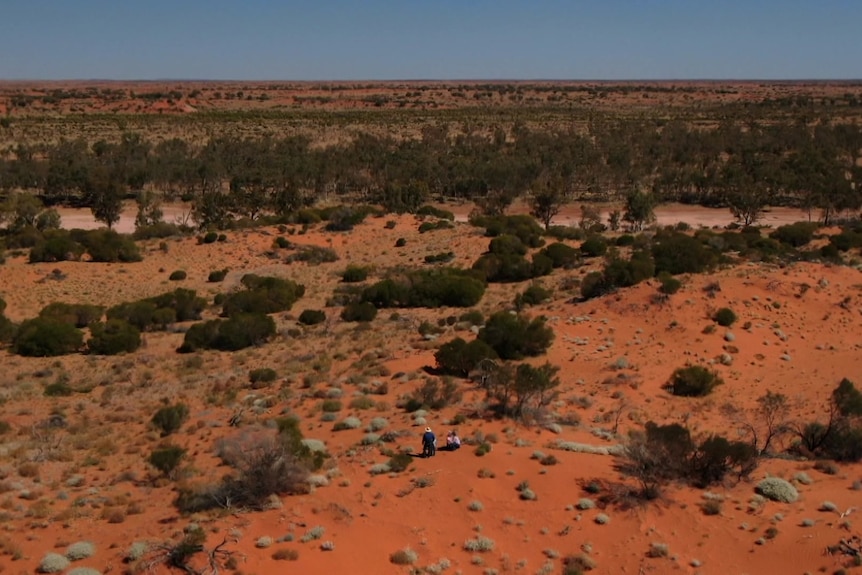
[53, 563]
[80, 550]
[777, 489]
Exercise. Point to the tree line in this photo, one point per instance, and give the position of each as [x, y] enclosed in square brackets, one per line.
[743, 166]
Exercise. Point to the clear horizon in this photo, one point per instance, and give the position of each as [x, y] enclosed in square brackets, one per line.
[444, 40]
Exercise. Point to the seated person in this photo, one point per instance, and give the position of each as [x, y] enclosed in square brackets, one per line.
[453, 442]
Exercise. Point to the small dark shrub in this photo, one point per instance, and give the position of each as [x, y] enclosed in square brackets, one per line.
[625, 240]
[677, 253]
[113, 337]
[724, 317]
[235, 333]
[41, 337]
[167, 459]
[561, 255]
[209, 238]
[473, 317]
[400, 462]
[795, 235]
[457, 357]
[79, 315]
[429, 210]
[58, 389]
[311, 317]
[263, 295]
[514, 337]
[400, 243]
[260, 376]
[217, 276]
[533, 295]
[359, 311]
[354, 274]
[693, 381]
[109, 246]
[170, 419]
[282, 242]
[669, 284]
[594, 246]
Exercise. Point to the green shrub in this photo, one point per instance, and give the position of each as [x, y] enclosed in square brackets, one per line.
[693, 381]
[625, 240]
[429, 210]
[400, 243]
[795, 235]
[237, 332]
[345, 218]
[426, 288]
[399, 462]
[313, 255]
[216, 276]
[53, 563]
[724, 317]
[41, 337]
[54, 246]
[311, 317]
[160, 311]
[669, 284]
[359, 311]
[457, 357]
[506, 244]
[441, 258]
[677, 253]
[524, 227]
[166, 459]
[109, 246]
[354, 274]
[473, 317]
[262, 295]
[510, 267]
[159, 230]
[208, 238]
[533, 295]
[282, 242]
[113, 337]
[80, 550]
[261, 375]
[170, 419]
[425, 227]
[777, 489]
[594, 246]
[515, 336]
[79, 315]
[561, 255]
[58, 389]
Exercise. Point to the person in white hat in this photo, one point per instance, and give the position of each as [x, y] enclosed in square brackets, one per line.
[429, 443]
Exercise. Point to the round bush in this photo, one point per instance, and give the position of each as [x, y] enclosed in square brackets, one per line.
[177, 276]
[594, 246]
[41, 337]
[724, 317]
[354, 274]
[53, 563]
[217, 276]
[777, 489]
[113, 337]
[312, 317]
[80, 550]
[693, 381]
[261, 375]
[359, 311]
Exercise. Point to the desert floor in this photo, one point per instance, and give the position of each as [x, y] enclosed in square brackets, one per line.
[90, 481]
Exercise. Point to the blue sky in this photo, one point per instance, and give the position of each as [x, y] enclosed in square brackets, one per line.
[430, 39]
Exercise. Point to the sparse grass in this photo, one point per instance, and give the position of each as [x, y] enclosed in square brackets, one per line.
[404, 556]
[285, 555]
[479, 544]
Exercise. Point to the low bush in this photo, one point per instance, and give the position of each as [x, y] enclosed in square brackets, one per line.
[359, 311]
[693, 381]
[53, 563]
[516, 336]
[524, 227]
[158, 312]
[795, 235]
[429, 210]
[594, 246]
[459, 358]
[262, 295]
[167, 459]
[777, 489]
[669, 284]
[311, 317]
[54, 246]
[170, 419]
[354, 274]
[237, 332]
[262, 375]
[561, 255]
[400, 462]
[108, 246]
[217, 276]
[533, 295]
[313, 255]
[441, 258]
[113, 337]
[724, 317]
[677, 253]
[42, 337]
[79, 315]
[426, 288]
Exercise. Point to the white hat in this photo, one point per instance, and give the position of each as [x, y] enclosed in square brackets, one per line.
[427, 429]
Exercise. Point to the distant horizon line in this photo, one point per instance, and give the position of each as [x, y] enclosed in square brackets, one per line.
[447, 80]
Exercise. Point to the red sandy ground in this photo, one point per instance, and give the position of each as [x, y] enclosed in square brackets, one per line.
[804, 336]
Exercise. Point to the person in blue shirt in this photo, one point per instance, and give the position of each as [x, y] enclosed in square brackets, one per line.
[429, 443]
